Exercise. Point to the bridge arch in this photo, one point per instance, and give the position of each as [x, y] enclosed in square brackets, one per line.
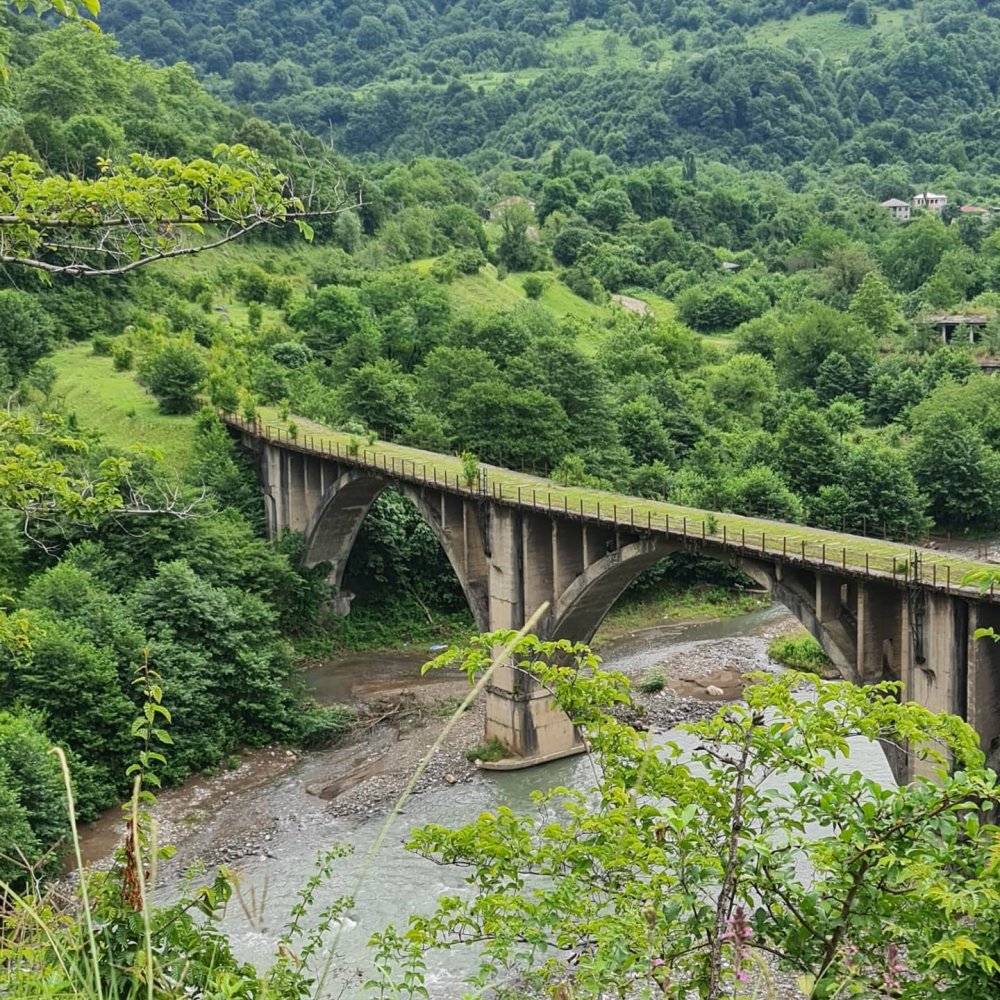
[333, 528]
[579, 610]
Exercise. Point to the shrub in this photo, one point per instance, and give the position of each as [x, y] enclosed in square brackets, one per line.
[102, 345]
[322, 725]
[533, 286]
[494, 750]
[801, 652]
[174, 375]
[470, 468]
[653, 682]
[122, 357]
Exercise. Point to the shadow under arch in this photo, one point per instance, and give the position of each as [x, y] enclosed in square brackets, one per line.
[583, 605]
[333, 529]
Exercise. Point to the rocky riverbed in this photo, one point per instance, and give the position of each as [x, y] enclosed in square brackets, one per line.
[225, 818]
[264, 816]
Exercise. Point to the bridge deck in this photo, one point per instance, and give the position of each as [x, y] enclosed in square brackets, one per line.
[743, 536]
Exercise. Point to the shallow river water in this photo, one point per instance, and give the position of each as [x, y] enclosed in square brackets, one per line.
[388, 882]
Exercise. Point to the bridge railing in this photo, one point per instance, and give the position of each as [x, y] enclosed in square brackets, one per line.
[739, 535]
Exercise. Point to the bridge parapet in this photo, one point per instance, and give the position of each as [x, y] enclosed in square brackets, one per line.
[881, 609]
[863, 556]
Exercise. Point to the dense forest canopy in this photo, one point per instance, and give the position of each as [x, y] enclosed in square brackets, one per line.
[637, 81]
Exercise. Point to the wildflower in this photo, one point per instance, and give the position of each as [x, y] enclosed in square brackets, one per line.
[893, 968]
[739, 932]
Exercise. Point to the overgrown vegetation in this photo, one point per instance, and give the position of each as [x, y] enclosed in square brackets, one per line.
[769, 350]
[800, 652]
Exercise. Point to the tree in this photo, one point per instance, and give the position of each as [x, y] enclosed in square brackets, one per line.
[912, 255]
[603, 862]
[33, 821]
[873, 306]
[719, 306]
[607, 208]
[876, 494]
[508, 425]
[139, 211]
[72, 10]
[75, 684]
[761, 492]
[26, 334]
[844, 415]
[174, 375]
[380, 395]
[515, 249]
[740, 388]
[956, 470]
[329, 317]
[641, 428]
[802, 347]
[807, 452]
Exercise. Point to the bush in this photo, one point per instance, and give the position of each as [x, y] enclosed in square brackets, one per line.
[32, 815]
[653, 682]
[533, 286]
[102, 345]
[322, 725]
[801, 652]
[494, 750]
[174, 375]
[122, 357]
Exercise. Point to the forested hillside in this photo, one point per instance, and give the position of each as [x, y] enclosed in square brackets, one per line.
[637, 81]
[631, 245]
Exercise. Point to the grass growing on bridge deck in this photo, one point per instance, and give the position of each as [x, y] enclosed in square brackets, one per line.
[741, 534]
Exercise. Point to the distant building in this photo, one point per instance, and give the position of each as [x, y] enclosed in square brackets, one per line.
[932, 202]
[899, 210]
[731, 266]
[975, 211]
[949, 323]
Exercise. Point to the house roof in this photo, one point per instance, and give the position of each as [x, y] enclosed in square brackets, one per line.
[895, 203]
[930, 196]
[975, 210]
[957, 319]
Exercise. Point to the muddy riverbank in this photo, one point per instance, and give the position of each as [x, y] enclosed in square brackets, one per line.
[234, 815]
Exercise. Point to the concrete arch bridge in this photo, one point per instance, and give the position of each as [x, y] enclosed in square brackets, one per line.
[880, 610]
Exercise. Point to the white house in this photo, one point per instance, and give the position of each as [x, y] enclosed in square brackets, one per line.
[932, 202]
[899, 210]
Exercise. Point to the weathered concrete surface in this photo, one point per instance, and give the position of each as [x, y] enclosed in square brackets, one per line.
[511, 559]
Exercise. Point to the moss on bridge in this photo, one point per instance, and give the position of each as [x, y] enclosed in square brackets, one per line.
[742, 535]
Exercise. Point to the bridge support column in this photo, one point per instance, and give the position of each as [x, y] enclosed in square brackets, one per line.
[294, 487]
[935, 669]
[880, 632]
[270, 473]
[520, 713]
[984, 680]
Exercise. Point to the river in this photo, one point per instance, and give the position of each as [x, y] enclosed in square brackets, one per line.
[388, 882]
[282, 810]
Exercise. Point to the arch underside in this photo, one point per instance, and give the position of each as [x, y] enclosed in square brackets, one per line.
[581, 606]
[334, 526]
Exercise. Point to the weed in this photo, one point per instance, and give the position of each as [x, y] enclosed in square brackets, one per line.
[799, 653]
[653, 682]
[494, 750]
